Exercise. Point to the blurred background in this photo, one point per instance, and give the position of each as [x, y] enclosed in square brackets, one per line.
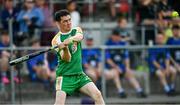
[143, 33]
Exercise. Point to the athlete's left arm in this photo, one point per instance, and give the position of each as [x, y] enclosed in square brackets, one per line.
[76, 38]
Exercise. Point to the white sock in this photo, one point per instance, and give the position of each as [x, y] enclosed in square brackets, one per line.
[166, 88]
[139, 90]
[172, 86]
[121, 90]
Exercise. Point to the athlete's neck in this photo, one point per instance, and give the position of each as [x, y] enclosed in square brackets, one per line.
[64, 31]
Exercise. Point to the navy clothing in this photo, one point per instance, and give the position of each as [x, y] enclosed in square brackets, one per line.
[52, 61]
[38, 60]
[110, 42]
[175, 52]
[35, 15]
[3, 45]
[159, 55]
[5, 16]
[118, 56]
[91, 56]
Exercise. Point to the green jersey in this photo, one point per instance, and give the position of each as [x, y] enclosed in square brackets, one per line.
[75, 65]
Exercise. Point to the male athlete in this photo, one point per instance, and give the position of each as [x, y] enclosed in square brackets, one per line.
[69, 74]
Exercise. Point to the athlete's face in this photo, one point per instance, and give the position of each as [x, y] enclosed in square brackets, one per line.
[65, 23]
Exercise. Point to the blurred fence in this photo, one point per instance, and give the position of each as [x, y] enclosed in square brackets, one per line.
[102, 29]
[142, 75]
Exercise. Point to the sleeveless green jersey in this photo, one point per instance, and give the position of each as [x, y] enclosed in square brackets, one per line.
[75, 65]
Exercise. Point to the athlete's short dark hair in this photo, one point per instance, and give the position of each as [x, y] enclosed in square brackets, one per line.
[60, 13]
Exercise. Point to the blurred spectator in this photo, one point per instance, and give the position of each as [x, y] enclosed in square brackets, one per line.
[118, 61]
[122, 29]
[175, 52]
[48, 22]
[112, 8]
[118, 8]
[30, 18]
[166, 28]
[52, 64]
[146, 14]
[38, 67]
[175, 4]
[5, 55]
[146, 17]
[88, 9]
[164, 10]
[75, 16]
[9, 12]
[91, 60]
[4, 59]
[47, 13]
[160, 65]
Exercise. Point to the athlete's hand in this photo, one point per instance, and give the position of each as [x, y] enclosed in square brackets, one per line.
[61, 46]
[67, 41]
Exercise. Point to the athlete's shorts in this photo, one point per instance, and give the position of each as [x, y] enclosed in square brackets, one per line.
[71, 83]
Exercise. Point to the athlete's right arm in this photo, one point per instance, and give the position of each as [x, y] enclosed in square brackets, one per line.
[64, 51]
[65, 54]
[55, 42]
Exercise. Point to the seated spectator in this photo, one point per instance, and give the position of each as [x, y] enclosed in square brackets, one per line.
[91, 60]
[38, 68]
[4, 59]
[52, 63]
[30, 18]
[122, 29]
[160, 65]
[117, 61]
[175, 52]
[75, 16]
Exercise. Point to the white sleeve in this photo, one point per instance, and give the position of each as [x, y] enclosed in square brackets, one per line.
[75, 17]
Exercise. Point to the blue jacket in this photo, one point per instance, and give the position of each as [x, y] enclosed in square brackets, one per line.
[175, 52]
[34, 13]
[160, 55]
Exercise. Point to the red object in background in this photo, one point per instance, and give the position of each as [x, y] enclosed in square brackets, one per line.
[124, 7]
[86, 10]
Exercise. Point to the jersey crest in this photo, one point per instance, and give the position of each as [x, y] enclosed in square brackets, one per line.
[74, 47]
